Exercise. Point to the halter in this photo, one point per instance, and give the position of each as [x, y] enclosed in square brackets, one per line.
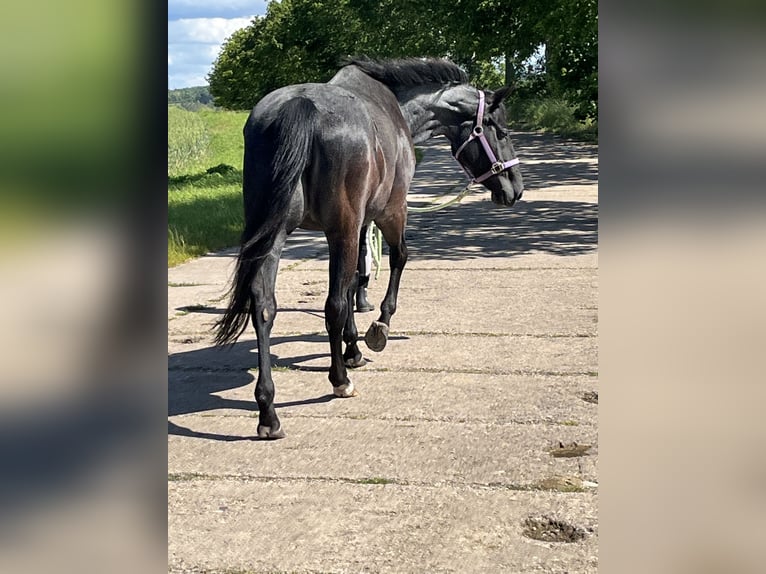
[478, 133]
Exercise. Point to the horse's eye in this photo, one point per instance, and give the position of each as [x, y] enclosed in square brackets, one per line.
[501, 133]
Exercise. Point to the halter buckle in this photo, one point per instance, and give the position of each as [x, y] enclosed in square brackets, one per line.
[497, 167]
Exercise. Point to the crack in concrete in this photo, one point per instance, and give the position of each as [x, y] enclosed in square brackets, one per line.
[369, 481]
[369, 369]
[405, 419]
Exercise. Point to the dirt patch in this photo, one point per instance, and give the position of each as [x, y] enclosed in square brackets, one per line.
[190, 340]
[548, 529]
[562, 450]
[561, 484]
[591, 397]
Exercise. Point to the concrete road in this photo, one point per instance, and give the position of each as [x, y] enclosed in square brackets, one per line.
[454, 456]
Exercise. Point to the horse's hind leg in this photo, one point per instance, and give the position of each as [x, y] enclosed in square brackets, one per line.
[393, 231]
[264, 310]
[343, 259]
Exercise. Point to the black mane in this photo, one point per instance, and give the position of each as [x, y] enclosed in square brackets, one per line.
[409, 72]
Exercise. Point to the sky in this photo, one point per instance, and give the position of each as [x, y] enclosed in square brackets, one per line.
[196, 30]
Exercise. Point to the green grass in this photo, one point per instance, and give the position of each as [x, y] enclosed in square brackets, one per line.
[205, 189]
[187, 141]
[375, 480]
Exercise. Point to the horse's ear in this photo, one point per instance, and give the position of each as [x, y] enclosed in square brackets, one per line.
[499, 96]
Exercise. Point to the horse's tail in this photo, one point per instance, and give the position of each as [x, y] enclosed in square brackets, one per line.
[275, 158]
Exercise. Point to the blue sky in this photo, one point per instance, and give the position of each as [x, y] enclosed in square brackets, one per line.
[196, 30]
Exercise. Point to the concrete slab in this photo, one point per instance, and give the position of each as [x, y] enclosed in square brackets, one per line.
[521, 301]
[415, 451]
[330, 526]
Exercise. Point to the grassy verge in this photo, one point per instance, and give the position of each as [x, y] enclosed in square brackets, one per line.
[204, 214]
[204, 202]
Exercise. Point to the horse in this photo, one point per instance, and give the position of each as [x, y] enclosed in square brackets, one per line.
[335, 157]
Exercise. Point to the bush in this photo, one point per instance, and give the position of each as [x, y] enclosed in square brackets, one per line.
[554, 115]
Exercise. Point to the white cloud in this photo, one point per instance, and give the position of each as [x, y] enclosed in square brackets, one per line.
[193, 45]
[204, 30]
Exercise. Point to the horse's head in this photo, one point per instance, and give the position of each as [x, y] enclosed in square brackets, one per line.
[482, 146]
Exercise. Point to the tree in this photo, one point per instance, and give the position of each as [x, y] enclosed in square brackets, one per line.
[305, 40]
[571, 57]
[297, 41]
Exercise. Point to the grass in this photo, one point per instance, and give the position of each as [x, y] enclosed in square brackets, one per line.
[375, 480]
[187, 140]
[183, 284]
[205, 188]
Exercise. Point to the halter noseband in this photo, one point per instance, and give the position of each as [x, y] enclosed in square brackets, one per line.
[478, 133]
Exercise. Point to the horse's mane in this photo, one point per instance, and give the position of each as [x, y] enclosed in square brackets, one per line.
[409, 72]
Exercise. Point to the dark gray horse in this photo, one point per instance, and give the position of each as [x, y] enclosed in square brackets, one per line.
[334, 157]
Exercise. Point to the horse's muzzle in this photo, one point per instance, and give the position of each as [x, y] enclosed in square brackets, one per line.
[507, 199]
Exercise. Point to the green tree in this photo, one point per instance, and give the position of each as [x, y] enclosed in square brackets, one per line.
[235, 81]
[305, 40]
[571, 54]
[297, 41]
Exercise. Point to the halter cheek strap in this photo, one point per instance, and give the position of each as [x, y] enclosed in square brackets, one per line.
[478, 133]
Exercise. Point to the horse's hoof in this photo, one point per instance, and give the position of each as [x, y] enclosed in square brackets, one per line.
[365, 308]
[376, 336]
[345, 391]
[270, 433]
[352, 363]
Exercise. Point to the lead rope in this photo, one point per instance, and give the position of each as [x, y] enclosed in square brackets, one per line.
[375, 241]
[375, 236]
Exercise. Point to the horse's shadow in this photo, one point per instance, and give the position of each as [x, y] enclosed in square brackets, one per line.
[196, 377]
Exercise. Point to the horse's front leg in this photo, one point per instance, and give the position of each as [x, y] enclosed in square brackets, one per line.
[264, 310]
[393, 231]
[343, 261]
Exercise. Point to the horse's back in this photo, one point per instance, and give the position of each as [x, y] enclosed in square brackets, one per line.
[336, 107]
[358, 136]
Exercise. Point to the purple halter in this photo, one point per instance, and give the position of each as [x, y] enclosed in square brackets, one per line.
[478, 133]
